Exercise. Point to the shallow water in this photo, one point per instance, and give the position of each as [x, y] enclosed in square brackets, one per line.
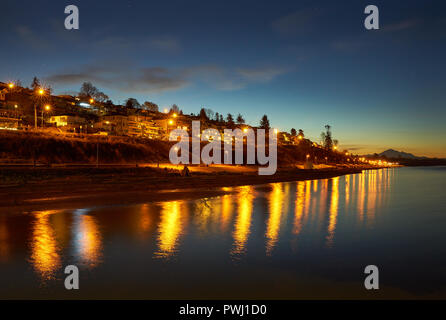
[308, 239]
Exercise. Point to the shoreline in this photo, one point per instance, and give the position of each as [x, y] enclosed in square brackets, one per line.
[52, 188]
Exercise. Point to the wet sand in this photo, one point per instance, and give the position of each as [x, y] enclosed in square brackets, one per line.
[28, 188]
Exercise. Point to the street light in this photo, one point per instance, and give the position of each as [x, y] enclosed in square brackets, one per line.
[174, 115]
[91, 101]
[47, 108]
[39, 92]
[11, 85]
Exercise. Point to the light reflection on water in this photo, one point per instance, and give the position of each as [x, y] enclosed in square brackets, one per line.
[87, 239]
[243, 220]
[45, 252]
[170, 228]
[284, 224]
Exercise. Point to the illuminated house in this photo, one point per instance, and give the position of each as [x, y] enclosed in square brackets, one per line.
[8, 121]
[67, 122]
[134, 126]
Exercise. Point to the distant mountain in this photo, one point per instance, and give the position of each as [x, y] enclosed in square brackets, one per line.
[393, 154]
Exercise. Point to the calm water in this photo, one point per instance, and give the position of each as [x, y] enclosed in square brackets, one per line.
[309, 239]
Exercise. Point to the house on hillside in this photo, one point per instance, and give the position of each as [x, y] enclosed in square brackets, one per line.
[68, 122]
[133, 126]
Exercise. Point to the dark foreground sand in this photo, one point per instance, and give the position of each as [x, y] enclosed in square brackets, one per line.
[28, 188]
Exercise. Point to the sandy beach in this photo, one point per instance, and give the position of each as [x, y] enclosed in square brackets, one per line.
[32, 188]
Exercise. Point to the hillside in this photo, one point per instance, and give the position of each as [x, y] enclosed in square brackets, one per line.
[31, 147]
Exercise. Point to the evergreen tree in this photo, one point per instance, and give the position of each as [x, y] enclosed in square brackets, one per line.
[230, 120]
[240, 119]
[264, 122]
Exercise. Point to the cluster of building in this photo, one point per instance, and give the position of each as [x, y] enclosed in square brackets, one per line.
[20, 110]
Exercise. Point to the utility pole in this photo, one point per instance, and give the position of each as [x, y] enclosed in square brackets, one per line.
[35, 116]
[97, 154]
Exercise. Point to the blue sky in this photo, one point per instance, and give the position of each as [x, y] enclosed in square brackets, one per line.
[303, 63]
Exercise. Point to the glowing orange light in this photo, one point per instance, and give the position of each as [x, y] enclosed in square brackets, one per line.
[11, 85]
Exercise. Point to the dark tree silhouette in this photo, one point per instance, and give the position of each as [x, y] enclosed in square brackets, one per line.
[89, 91]
[35, 84]
[326, 138]
[132, 103]
[230, 120]
[264, 122]
[203, 115]
[209, 113]
[175, 109]
[293, 132]
[240, 119]
[150, 106]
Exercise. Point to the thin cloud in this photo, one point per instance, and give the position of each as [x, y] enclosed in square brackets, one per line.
[129, 78]
[167, 44]
[124, 78]
[261, 74]
[402, 25]
[31, 38]
[297, 22]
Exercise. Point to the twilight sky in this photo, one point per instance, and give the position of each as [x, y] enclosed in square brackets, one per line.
[303, 63]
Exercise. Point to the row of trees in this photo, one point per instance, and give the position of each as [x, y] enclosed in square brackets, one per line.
[209, 115]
